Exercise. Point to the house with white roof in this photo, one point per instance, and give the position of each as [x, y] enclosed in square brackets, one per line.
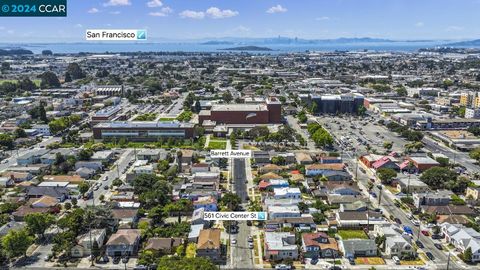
[287, 193]
[396, 243]
[463, 238]
[280, 245]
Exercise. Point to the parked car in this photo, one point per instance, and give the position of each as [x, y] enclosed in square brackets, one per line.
[283, 267]
[398, 221]
[437, 236]
[234, 241]
[438, 246]
[396, 260]
[116, 260]
[426, 233]
[408, 230]
[419, 244]
[430, 255]
[250, 245]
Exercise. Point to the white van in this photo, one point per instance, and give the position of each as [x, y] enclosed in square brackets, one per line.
[396, 260]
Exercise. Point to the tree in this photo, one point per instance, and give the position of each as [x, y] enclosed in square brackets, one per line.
[439, 178]
[83, 187]
[386, 175]
[227, 97]
[74, 201]
[68, 77]
[16, 243]
[230, 201]
[401, 91]
[47, 52]
[26, 84]
[388, 145]
[37, 223]
[75, 71]
[20, 133]
[278, 160]
[85, 154]
[302, 117]
[467, 255]
[475, 154]
[6, 141]
[49, 80]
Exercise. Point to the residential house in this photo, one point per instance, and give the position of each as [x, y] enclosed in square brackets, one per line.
[209, 244]
[60, 193]
[319, 245]
[330, 160]
[272, 184]
[125, 217]
[303, 158]
[187, 156]
[270, 168]
[283, 211]
[387, 162]
[261, 157]
[152, 155]
[104, 156]
[341, 188]
[359, 206]
[84, 246]
[319, 169]
[6, 182]
[359, 248]
[200, 167]
[412, 185]
[462, 238]
[85, 173]
[17, 176]
[287, 193]
[438, 197]
[304, 223]
[44, 202]
[195, 232]
[396, 243]
[94, 165]
[123, 243]
[337, 176]
[280, 246]
[357, 219]
[31, 157]
[163, 245]
[472, 193]
[71, 179]
[208, 203]
[11, 225]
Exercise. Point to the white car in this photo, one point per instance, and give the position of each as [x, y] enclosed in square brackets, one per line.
[234, 241]
[250, 245]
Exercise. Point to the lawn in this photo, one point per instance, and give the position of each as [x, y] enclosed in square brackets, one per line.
[146, 117]
[36, 81]
[166, 119]
[370, 261]
[413, 262]
[352, 234]
[217, 145]
[250, 147]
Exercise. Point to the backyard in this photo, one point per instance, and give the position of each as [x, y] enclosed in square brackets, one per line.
[352, 234]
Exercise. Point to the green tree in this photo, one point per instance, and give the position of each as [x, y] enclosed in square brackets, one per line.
[75, 71]
[439, 177]
[16, 243]
[230, 201]
[386, 175]
[83, 187]
[227, 97]
[37, 223]
[20, 133]
[85, 154]
[475, 154]
[467, 255]
[6, 141]
[388, 145]
[49, 80]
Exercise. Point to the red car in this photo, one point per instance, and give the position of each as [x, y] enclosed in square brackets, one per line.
[426, 233]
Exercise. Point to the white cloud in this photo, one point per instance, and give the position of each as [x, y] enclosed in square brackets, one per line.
[324, 18]
[277, 9]
[217, 13]
[115, 12]
[162, 13]
[154, 3]
[419, 24]
[93, 10]
[454, 28]
[191, 14]
[112, 3]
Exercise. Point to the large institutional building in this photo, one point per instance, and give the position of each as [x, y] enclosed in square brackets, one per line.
[333, 104]
[267, 113]
[142, 131]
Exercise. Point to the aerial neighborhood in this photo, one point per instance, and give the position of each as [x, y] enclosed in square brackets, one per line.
[359, 160]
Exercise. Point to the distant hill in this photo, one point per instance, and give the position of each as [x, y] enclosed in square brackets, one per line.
[247, 48]
[468, 43]
[16, 51]
[217, 42]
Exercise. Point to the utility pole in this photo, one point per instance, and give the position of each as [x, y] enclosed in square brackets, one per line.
[448, 261]
[379, 195]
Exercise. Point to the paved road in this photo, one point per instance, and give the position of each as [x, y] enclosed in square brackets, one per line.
[293, 123]
[117, 172]
[240, 255]
[461, 158]
[239, 178]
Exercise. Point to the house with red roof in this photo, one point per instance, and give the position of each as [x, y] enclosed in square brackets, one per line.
[319, 245]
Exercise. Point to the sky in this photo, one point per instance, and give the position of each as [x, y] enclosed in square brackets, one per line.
[167, 20]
